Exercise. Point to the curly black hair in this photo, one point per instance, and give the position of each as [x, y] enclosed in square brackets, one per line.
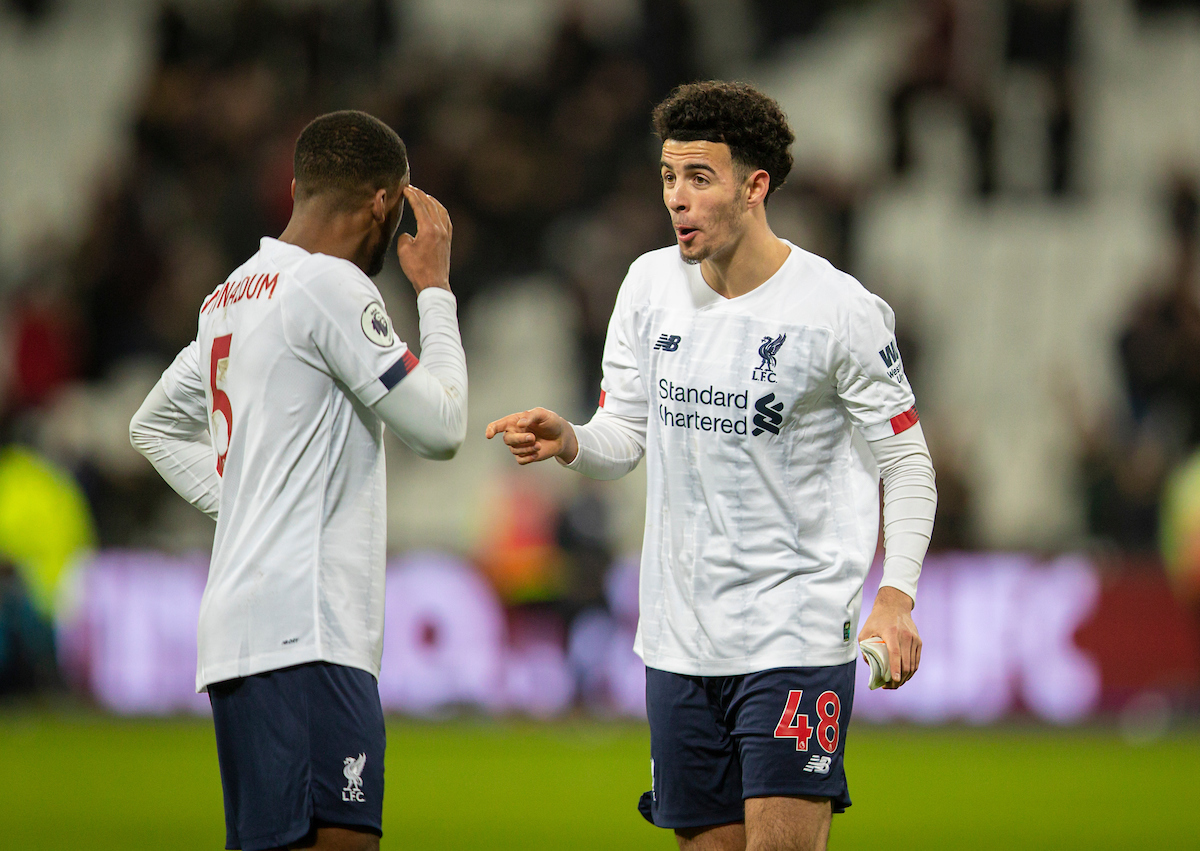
[737, 114]
[349, 153]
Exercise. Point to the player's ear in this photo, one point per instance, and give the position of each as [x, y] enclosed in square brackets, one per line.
[293, 189]
[379, 205]
[757, 187]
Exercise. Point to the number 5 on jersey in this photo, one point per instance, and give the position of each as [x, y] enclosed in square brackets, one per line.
[218, 365]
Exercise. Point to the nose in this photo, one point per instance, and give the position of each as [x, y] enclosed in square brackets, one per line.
[675, 198]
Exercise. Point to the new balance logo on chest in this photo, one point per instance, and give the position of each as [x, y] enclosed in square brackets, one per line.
[668, 343]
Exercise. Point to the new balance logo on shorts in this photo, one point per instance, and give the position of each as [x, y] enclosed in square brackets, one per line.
[668, 342]
[818, 765]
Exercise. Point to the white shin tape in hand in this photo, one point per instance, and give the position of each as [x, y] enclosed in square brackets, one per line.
[875, 652]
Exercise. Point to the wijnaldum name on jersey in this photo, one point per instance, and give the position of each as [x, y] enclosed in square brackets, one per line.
[251, 286]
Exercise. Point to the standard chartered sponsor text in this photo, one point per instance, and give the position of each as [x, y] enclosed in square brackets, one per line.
[709, 396]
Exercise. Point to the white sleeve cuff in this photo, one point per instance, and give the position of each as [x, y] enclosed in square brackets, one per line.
[609, 446]
[901, 572]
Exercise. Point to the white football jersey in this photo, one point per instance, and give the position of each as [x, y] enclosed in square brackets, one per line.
[290, 354]
[762, 511]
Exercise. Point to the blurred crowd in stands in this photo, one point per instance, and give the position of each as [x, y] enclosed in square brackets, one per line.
[545, 165]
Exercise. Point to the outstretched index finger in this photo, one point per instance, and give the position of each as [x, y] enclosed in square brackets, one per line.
[501, 425]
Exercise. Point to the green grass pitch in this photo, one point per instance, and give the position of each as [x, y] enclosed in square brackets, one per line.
[85, 781]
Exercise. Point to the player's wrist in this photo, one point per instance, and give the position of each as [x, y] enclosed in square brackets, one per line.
[440, 284]
[570, 443]
[889, 596]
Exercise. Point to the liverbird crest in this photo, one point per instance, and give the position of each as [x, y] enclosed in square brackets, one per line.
[353, 769]
[768, 350]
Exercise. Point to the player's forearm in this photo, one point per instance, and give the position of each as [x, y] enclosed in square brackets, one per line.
[428, 408]
[909, 503]
[609, 446]
[178, 451]
[441, 341]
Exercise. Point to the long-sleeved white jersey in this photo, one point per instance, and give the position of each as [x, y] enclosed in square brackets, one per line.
[294, 362]
[758, 416]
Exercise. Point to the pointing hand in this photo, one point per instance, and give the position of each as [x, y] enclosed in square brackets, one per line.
[535, 435]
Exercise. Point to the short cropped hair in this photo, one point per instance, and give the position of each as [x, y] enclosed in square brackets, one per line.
[348, 153]
[737, 114]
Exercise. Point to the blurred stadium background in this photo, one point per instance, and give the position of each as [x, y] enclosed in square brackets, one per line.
[1020, 179]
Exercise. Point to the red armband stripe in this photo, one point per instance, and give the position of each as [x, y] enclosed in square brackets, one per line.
[603, 395]
[905, 421]
[397, 371]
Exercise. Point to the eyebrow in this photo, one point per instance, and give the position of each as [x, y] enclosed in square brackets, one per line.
[690, 167]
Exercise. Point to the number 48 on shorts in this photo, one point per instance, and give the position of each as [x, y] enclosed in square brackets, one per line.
[794, 724]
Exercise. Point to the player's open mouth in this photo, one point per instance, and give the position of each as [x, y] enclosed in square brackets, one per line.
[686, 234]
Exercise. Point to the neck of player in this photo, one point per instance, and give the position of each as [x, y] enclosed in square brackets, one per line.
[748, 261]
[320, 228]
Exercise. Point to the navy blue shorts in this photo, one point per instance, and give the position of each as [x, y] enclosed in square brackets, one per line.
[299, 747]
[715, 741]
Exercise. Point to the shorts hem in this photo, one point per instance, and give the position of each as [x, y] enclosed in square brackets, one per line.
[274, 840]
[707, 820]
[839, 801]
[340, 821]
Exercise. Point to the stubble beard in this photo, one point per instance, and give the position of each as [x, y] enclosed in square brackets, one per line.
[376, 265]
[379, 255]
